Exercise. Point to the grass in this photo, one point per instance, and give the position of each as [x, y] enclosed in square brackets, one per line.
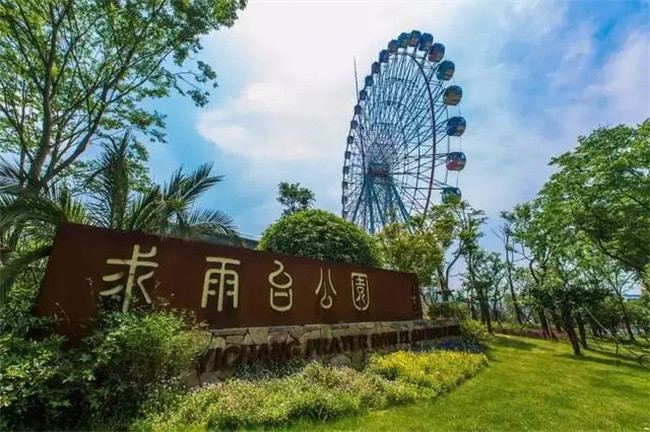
[530, 385]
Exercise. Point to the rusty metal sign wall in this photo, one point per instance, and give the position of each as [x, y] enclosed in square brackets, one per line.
[224, 286]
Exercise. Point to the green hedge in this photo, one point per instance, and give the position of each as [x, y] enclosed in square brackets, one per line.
[99, 385]
[317, 392]
[321, 235]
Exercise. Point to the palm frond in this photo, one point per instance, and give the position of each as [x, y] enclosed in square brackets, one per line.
[172, 187]
[13, 268]
[110, 184]
[55, 206]
[199, 223]
[198, 182]
[146, 212]
[14, 178]
[10, 174]
[184, 188]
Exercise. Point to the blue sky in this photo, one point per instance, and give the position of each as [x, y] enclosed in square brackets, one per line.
[535, 76]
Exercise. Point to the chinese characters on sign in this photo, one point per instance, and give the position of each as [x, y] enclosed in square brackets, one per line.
[226, 280]
[224, 286]
[223, 277]
[133, 265]
[281, 290]
[326, 299]
[360, 291]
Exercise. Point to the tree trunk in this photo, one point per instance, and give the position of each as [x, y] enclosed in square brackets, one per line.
[581, 330]
[574, 341]
[556, 320]
[472, 307]
[515, 303]
[485, 309]
[518, 313]
[545, 327]
[626, 319]
[495, 311]
[567, 323]
[443, 283]
[472, 286]
[488, 320]
[592, 328]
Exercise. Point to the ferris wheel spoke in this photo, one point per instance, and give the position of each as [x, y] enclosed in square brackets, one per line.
[380, 211]
[408, 192]
[402, 87]
[440, 122]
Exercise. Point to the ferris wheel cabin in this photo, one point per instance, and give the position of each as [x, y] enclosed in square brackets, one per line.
[456, 126]
[445, 70]
[456, 161]
[436, 52]
[451, 194]
[453, 95]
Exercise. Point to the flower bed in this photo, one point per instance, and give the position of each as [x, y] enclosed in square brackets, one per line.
[316, 392]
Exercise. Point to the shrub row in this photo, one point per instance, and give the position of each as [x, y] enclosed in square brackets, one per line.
[99, 385]
[317, 392]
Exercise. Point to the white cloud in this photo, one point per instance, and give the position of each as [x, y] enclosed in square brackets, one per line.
[626, 80]
[289, 121]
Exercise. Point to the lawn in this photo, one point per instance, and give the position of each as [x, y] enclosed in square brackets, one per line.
[531, 385]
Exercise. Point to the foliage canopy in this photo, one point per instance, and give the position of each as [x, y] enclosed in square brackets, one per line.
[320, 235]
[294, 198]
[602, 188]
[76, 70]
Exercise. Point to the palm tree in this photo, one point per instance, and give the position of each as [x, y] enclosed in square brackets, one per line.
[110, 201]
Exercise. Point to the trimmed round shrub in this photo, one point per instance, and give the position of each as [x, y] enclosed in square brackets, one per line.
[322, 235]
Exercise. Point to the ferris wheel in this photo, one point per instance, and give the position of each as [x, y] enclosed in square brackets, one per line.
[400, 157]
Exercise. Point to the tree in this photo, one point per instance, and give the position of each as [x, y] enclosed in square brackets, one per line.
[322, 235]
[294, 198]
[509, 252]
[602, 189]
[111, 203]
[600, 270]
[487, 272]
[558, 254]
[75, 71]
[539, 249]
[640, 313]
[429, 245]
[457, 231]
[415, 247]
[596, 204]
[535, 251]
[469, 222]
[581, 233]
